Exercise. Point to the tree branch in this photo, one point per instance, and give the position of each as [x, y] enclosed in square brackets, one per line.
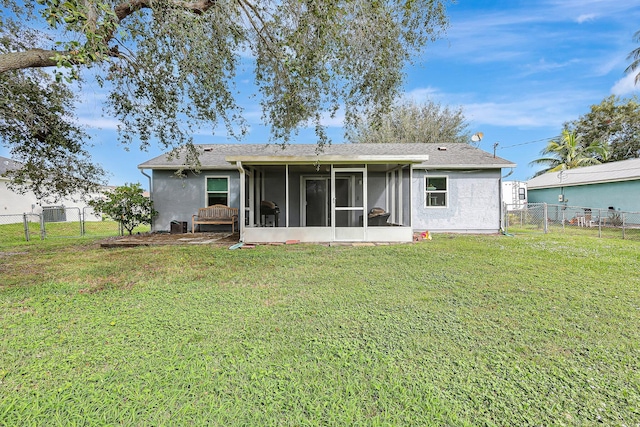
[32, 58]
[39, 58]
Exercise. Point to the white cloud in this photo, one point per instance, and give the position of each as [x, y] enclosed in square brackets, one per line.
[625, 86]
[537, 109]
[544, 66]
[518, 114]
[586, 17]
[99, 123]
[337, 121]
[422, 94]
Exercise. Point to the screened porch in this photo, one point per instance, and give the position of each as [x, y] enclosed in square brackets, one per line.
[325, 202]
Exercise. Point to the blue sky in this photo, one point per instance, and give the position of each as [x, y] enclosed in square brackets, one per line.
[519, 70]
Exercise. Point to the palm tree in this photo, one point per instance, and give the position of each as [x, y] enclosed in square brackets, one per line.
[569, 153]
[635, 57]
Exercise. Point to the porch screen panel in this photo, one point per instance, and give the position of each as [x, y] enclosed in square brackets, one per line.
[349, 199]
[317, 199]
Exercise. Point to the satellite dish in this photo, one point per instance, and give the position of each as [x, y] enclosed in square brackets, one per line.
[477, 136]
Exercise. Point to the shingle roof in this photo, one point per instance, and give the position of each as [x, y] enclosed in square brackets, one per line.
[451, 156]
[624, 170]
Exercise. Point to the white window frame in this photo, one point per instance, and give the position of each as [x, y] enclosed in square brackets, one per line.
[522, 193]
[207, 192]
[445, 192]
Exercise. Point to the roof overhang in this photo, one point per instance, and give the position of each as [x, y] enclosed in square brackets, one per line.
[576, 184]
[320, 159]
[466, 167]
[180, 167]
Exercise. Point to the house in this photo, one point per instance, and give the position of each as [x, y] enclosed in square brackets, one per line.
[345, 192]
[614, 185]
[514, 194]
[13, 204]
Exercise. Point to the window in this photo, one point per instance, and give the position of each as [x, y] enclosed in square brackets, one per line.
[436, 191]
[522, 194]
[217, 191]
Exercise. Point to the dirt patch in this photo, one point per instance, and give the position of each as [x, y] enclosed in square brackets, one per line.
[156, 239]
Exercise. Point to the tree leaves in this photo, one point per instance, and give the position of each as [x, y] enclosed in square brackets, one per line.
[127, 205]
[37, 125]
[569, 153]
[171, 65]
[410, 122]
[614, 122]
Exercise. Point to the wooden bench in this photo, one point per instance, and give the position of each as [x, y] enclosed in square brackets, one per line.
[216, 214]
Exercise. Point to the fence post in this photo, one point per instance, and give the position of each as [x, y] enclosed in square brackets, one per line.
[505, 215]
[26, 226]
[545, 213]
[43, 231]
[80, 220]
[600, 223]
[623, 224]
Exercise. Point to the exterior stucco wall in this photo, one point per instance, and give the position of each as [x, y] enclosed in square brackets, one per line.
[179, 198]
[473, 202]
[12, 203]
[624, 196]
[473, 199]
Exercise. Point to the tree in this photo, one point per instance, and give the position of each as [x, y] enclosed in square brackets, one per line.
[126, 205]
[171, 65]
[634, 56]
[44, 138]
[569, 153]
[411, 122]
[614, 122]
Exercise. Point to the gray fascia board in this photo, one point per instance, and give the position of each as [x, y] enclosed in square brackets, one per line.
[465, 166]
[176, 167]
[368, 159]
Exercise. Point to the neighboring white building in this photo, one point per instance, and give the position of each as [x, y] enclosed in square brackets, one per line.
[514, 194]
[15, 204]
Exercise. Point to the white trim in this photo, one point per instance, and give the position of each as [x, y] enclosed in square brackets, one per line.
[286, 195]
[206, 188]
[241, 202]
[411, 198]
[354, 233]
[252, 197]
[445, 192]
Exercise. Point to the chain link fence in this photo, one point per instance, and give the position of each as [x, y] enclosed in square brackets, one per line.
[57, 222]
[546, 218]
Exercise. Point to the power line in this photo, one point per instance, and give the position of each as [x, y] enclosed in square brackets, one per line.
[530, 142]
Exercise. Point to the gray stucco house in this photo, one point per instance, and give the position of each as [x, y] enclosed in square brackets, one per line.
[346, 192]
[609, 185]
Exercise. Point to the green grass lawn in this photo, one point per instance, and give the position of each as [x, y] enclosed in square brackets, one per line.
[15, 233]
[459, 330]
